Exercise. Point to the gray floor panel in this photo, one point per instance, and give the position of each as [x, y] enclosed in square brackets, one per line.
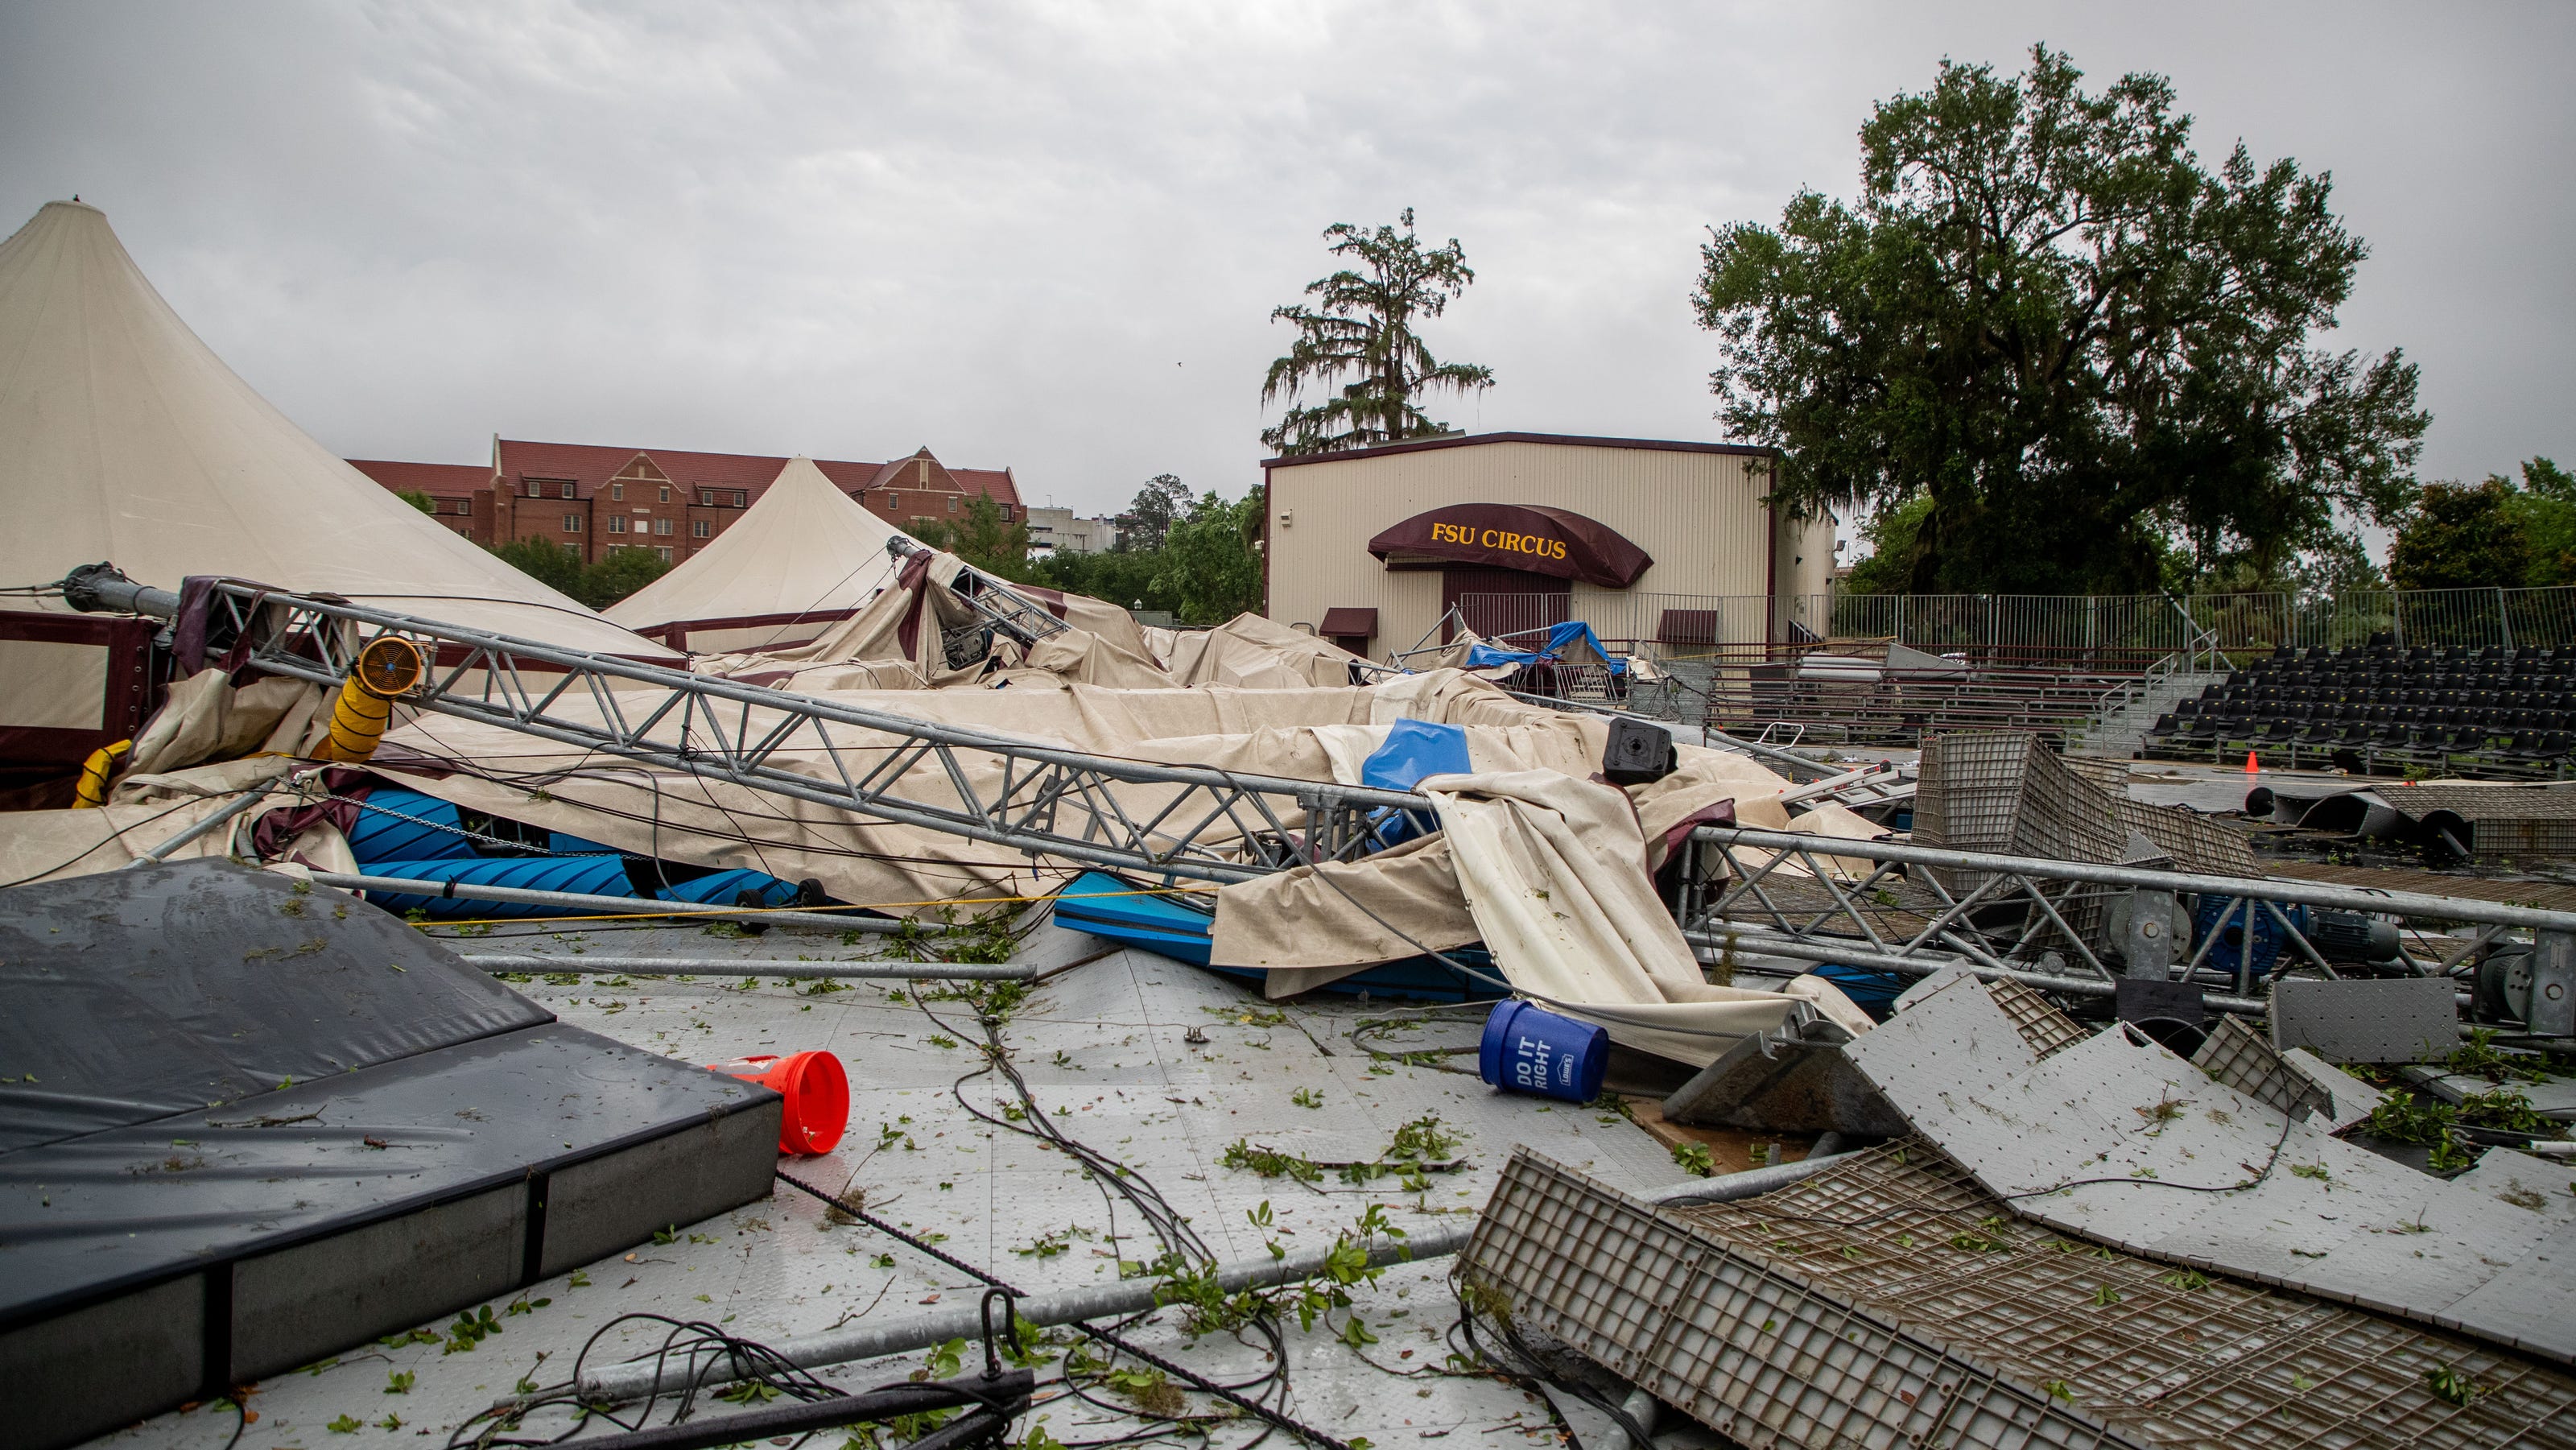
[778, 1268]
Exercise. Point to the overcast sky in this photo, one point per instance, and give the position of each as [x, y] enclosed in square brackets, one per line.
[1049, 236]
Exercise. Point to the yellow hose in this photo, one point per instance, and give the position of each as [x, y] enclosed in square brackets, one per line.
[385, 669]
[91, 793]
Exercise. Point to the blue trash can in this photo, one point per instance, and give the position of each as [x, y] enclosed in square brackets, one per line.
[1528, 1049]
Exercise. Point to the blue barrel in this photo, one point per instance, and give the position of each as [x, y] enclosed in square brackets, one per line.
[397, 824]
[588, 875]
[1528, 1049]
[725, 888]
[1873, 992]
[404, 825]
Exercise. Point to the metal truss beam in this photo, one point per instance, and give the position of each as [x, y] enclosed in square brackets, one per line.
[1838, 900]
[1203, 823]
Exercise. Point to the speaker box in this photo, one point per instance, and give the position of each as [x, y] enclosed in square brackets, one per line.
[1639, 752]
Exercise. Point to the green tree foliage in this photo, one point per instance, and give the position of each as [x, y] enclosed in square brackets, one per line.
[981, 537]
[1361, 326]
[2490, 535]
[2544, 508]
[2045, 315]
[622, 573]
[1123, 577]
[1891, 532]
[1148, 520]
[550, 564]
[1204, 572]
[1210, 572]
[598, 585]
[2461, 536]
[418, 500]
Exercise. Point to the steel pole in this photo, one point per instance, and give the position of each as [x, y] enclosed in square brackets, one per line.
[635, 1379]
[822, 920]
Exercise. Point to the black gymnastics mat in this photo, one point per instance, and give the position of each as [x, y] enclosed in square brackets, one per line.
[245, 1125]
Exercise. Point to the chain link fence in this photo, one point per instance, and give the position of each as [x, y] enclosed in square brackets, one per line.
[2093, 633]
[1919, 661]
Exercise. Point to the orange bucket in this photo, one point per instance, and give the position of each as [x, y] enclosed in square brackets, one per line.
[817, 1093]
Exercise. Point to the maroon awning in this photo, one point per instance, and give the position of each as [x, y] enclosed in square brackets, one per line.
[1554, 542]
[1345, 621]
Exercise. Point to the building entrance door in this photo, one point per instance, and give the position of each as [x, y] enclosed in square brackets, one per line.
[1501, 601]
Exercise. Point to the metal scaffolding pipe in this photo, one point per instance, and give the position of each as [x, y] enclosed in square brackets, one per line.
[2264, 888]
[589, 965]
[638, 1378]
[822, 920]
[1845, 951]
[223, 817]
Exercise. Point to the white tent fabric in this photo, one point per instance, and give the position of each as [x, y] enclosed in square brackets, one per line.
[805, 548]
[124, 438]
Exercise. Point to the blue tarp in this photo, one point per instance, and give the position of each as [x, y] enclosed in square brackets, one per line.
[1560, 638]
[1413, 749]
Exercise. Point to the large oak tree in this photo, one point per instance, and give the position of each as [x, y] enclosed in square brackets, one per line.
[2044, 314]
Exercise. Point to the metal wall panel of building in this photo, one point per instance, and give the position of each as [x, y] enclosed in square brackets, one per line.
[1699, 514]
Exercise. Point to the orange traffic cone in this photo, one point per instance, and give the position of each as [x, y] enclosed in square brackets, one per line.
[2249, 763]
[817, 1093]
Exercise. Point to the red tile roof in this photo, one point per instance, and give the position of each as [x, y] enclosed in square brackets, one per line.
[590, 466]
[449, 479]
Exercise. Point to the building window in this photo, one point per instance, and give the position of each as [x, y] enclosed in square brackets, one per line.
[616, 524]
[572, 523]
[567, 488]
[741, 498]
[662, 527]
[536, 489]
[666, 493]
[617, 491]
[698, 529]
[665, 552]
[465, 508]
[952, 503]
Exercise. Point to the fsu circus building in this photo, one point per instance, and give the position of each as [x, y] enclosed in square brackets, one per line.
[590, 498]
[1646, 541]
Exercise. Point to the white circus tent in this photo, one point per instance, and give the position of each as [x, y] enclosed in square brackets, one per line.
[124, 439]
[801, 558]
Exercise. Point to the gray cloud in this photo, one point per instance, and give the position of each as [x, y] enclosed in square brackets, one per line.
[1050, 235]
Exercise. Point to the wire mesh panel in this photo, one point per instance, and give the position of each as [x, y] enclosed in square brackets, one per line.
[1757, 1352]
[2160, 1355]
[2047, 1029]
[2240, 1057]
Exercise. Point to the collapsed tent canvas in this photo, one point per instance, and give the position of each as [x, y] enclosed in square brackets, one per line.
[1255, 653]
[801, 558]
[124, 438]
[921, 632]
[253, 1124]
[868, 862]
[1180, 925]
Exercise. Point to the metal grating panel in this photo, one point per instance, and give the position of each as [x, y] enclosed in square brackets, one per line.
[2038, 1020]
[1758, 1353]
[2163, 1356]
[2237, 1055]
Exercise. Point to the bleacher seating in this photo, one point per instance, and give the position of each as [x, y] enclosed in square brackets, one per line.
[2382, 710]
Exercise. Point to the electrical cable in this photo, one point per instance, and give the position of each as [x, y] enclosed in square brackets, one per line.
[1532, 1372]
[1191, 1377]
[111, 836]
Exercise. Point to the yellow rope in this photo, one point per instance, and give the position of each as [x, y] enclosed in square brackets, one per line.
[865, 906]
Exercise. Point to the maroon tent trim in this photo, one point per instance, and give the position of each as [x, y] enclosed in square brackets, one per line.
[1556, 542]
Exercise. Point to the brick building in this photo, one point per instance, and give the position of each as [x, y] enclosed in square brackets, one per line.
[591, 498]
[460, 494]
